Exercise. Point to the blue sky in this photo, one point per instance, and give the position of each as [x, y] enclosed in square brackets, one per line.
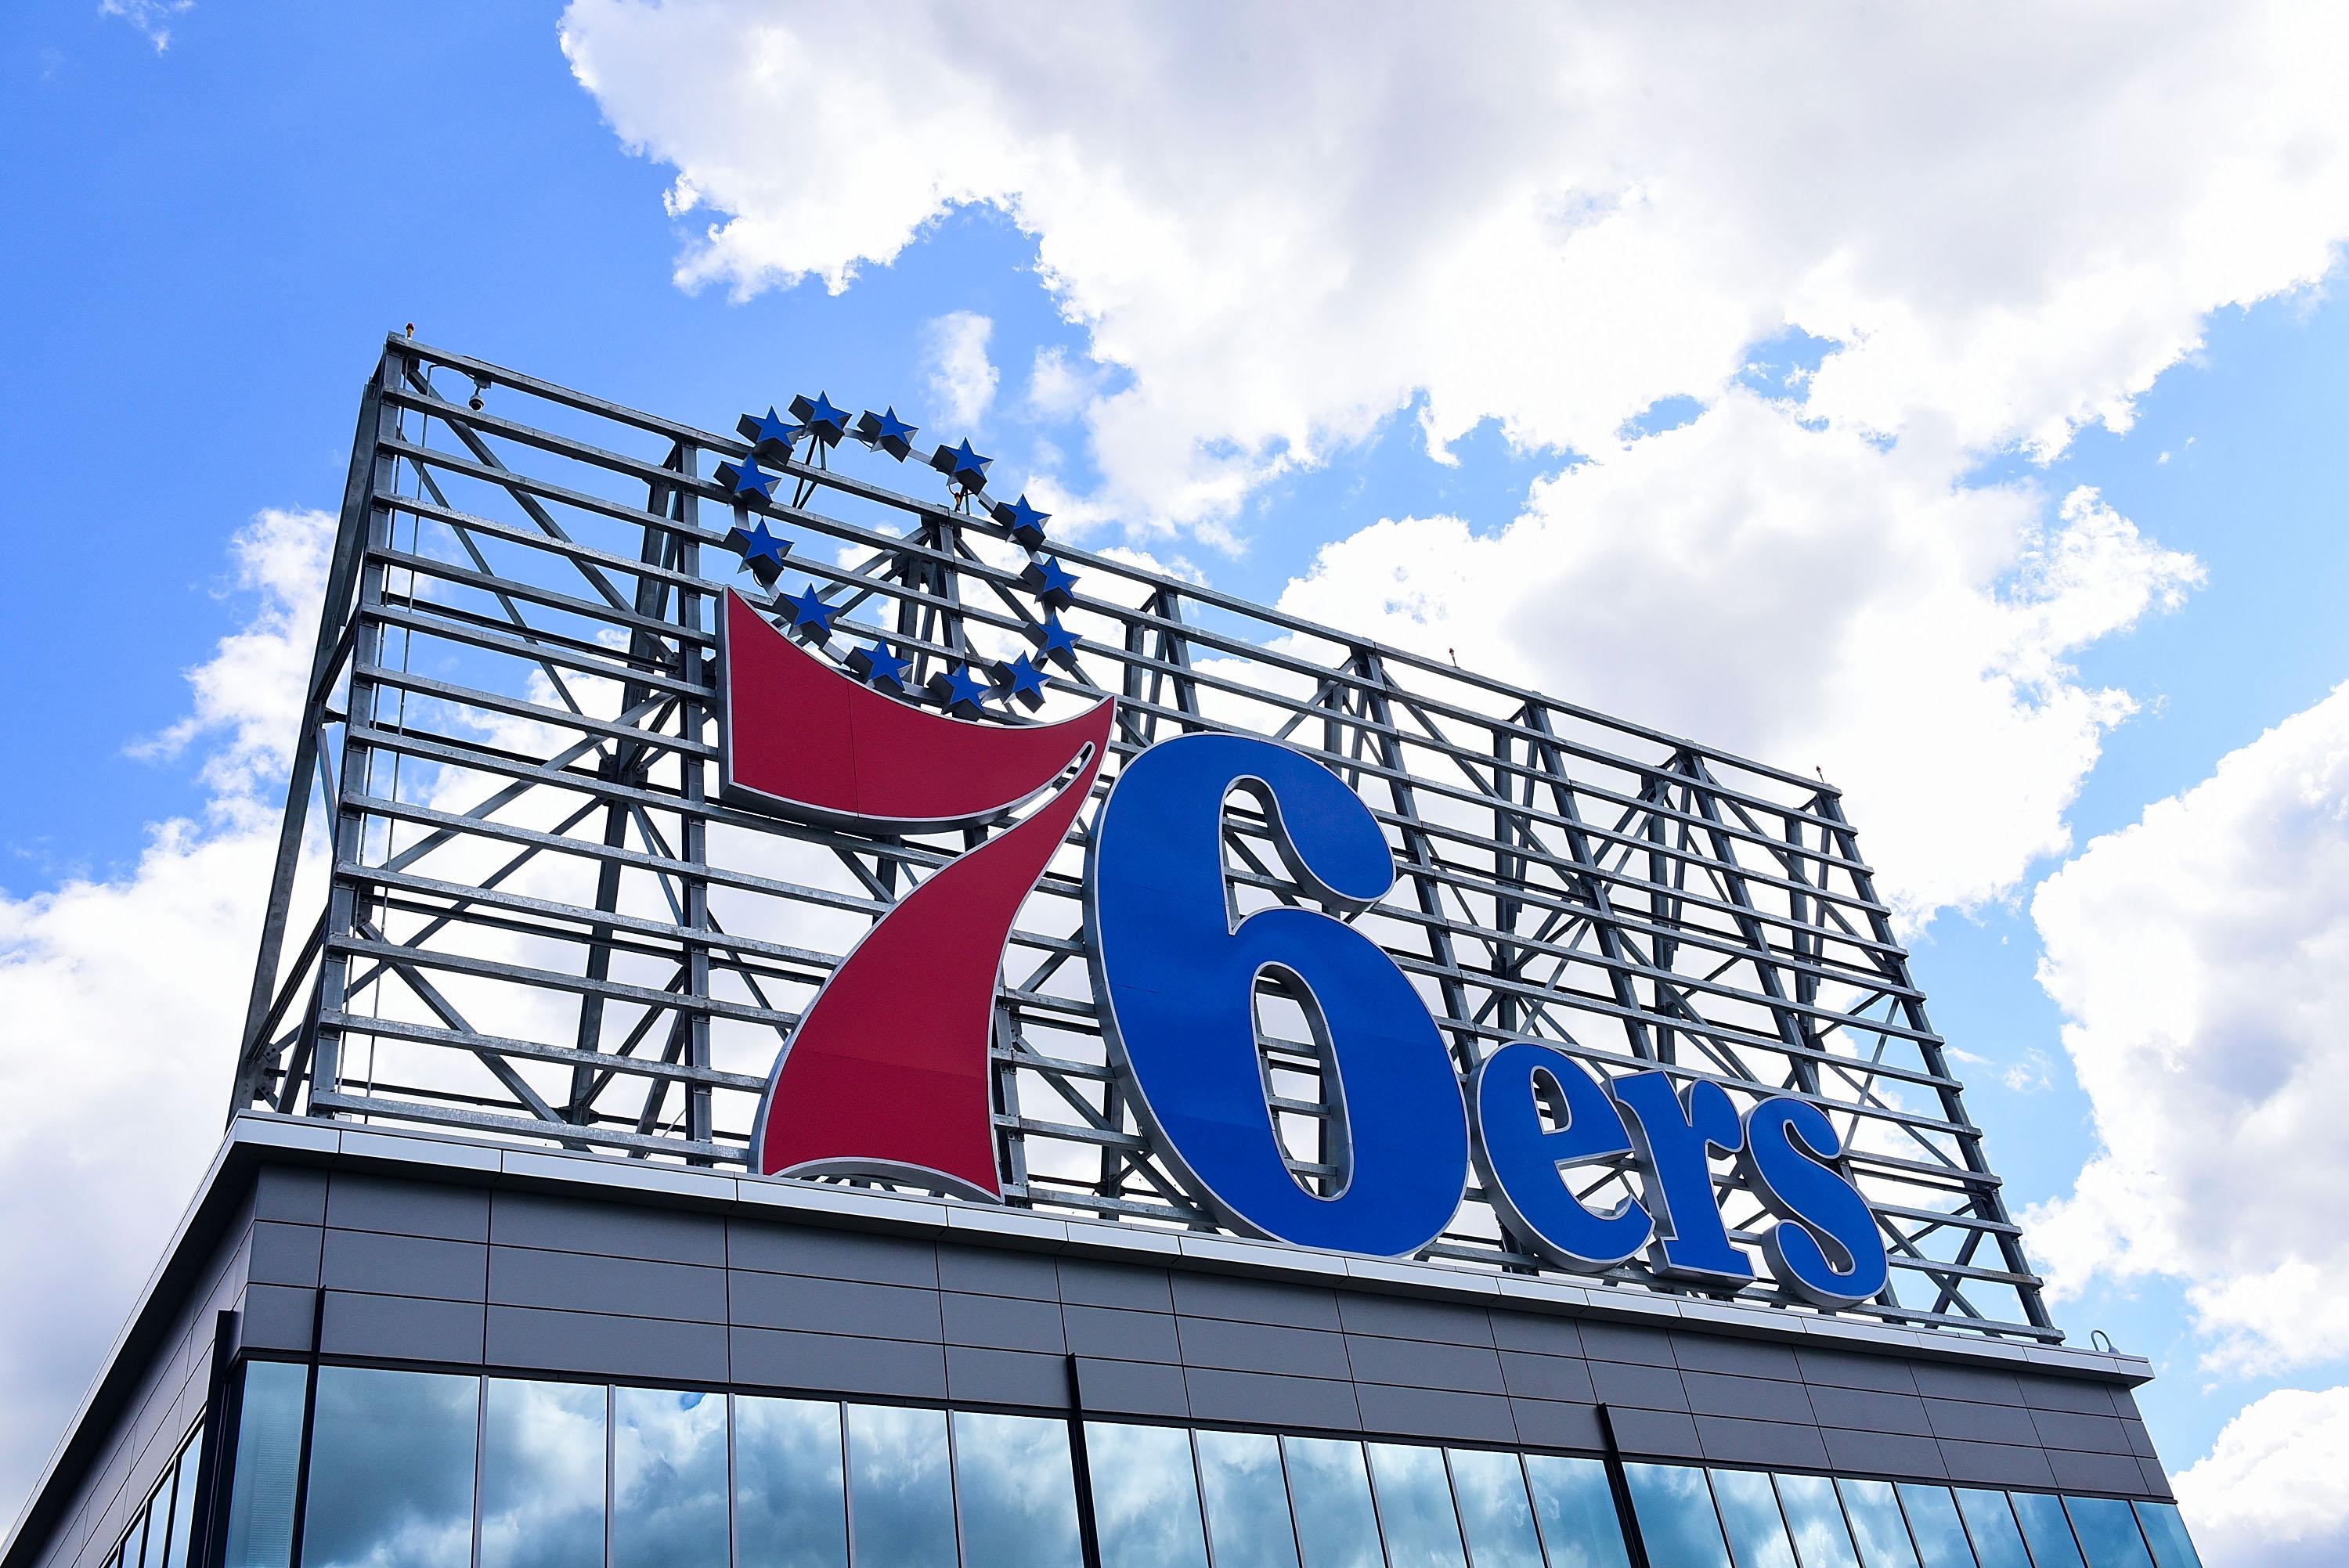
[207, 240]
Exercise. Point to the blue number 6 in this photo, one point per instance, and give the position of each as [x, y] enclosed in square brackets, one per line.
[1176, 979]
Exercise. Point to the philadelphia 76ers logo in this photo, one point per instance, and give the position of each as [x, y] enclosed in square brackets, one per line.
[886, 1074]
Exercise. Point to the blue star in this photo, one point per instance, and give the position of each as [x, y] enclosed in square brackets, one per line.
[1020, 680]
[1025, 523]
[963, 466]
[762, 553]
[811, 614]
[1055, 640]
[878, 665]
[1050, 581]
[958, 688]
[822, 418]
[773, 434]
[886, 432]
[747, 480]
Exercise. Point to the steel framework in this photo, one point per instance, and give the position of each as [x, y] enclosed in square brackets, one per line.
[535, 918]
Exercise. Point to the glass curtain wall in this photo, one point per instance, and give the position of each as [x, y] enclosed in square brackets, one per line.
[416, 1469]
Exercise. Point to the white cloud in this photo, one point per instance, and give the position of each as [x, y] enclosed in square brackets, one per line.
[1287, 222]
[124, 1003]
[959, 372]
[150, 17]
[2273, 1492]
[2202, 960]
[1816, 602]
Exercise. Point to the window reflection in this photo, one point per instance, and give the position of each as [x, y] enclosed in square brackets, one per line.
[1495, 1514]
[900, 1491]
[2046, 1529]
[543, 1459]
[1749, 1516]
[1990, 1525]
[1933, 1521]
[668, 1479]
[1414, 1498]
[1017, 1491]
[1575, 1504]
[1874, 1516]
[791, 1507]
[268, 1448]
[1248, 1500]
[1816, 1520]
[2166, 1533]
[156, 1524]
[1145, 1497]
[1676, 1517]
[391, 1470]
[183, 1511]
[1336, 1525]
[2108, 1532]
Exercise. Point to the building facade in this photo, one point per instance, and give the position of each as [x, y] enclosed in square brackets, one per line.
[562, 1223]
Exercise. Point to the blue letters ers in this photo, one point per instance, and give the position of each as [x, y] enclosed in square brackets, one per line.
[1176, 977]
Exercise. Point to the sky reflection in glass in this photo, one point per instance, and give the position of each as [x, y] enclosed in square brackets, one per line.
[668, 1479]
[268, 1453]
[1017, 1491]
[183, 1515]
[1414, 1498]
[1749, 1514]
[1495, 1514]
[1576, 1507]
[1816, 1520]
[1145, 1497]
[1676, 1517]
[900, 1488]
[1933, 1521]
[371, 1426]
[1990, 1525]
[543, 1475]
[2108, 1532]
[1336, 1525]
[2046, 1529]
[791, 1506]
[1248, 1500]
[2172, 1547]
[1875, 1515]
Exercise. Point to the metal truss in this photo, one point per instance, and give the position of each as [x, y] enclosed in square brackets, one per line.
[537, 920]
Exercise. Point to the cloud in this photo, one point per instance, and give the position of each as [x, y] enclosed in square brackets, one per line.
[2202, 960]
[958, 372]
[124, 1002]
[1289, 223]
[151, 17]
[1818, 601]
[2273, 1492]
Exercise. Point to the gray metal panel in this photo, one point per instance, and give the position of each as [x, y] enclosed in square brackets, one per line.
[1935, 1380]
[977, 1376]
[1416, 1363]
[836, 1364]
[2066, 1394]
[1996, 1464]
[1547, 1376]
[1262, 1348]
[1841, 1368]
[1628, 1383]
[1754, 1399]
[277, 1317]
[409, 1265]
[2095, 1434]
[1552, 1423]
[1115, 1285]
[1729, 1440]
[1656, 1434]
[1864, 1409]
[294, 1193]
[1618, 1342]
[595, 1344]
[994, 1272]
[2156, 1484]
[1884, 1453]
[1400, 1317]
[1007, 1323]
[634, 1287]
[403, 1327]
[836, 1307]
[1453, 1416]
[1267, 1400]
[1545, 1335]
[1742, 1358]
[1255, 1301]
[835, 1254]
[356, 1201]
[2095, 1472]
[1964, 1420]
[283, 1255]
[611, 1229]
[1132, 1388]
[1120, 1335]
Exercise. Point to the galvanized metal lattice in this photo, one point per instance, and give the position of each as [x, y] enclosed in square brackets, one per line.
[540, 923]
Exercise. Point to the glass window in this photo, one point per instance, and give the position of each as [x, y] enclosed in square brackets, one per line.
[1933, 1521]
[1676, 1518]
[184, 1509]
[1816, 1520]
[1990, 1525]
[1876, 1524]
[391, 1469]
[1146, 1497]
[900, 1491]
[1576, 1507]
[2108, 1532]
[1495, 1514]
[1248, 1500]
[2046, 1528]
[1415, 1506]
[1017, 1492]
[1337, 1526]
[2172, 1547]
[268, 1450]
[1749, 1516]
[542, 1456]
[791, 1505]
[668, 1479]
[157, 1525]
